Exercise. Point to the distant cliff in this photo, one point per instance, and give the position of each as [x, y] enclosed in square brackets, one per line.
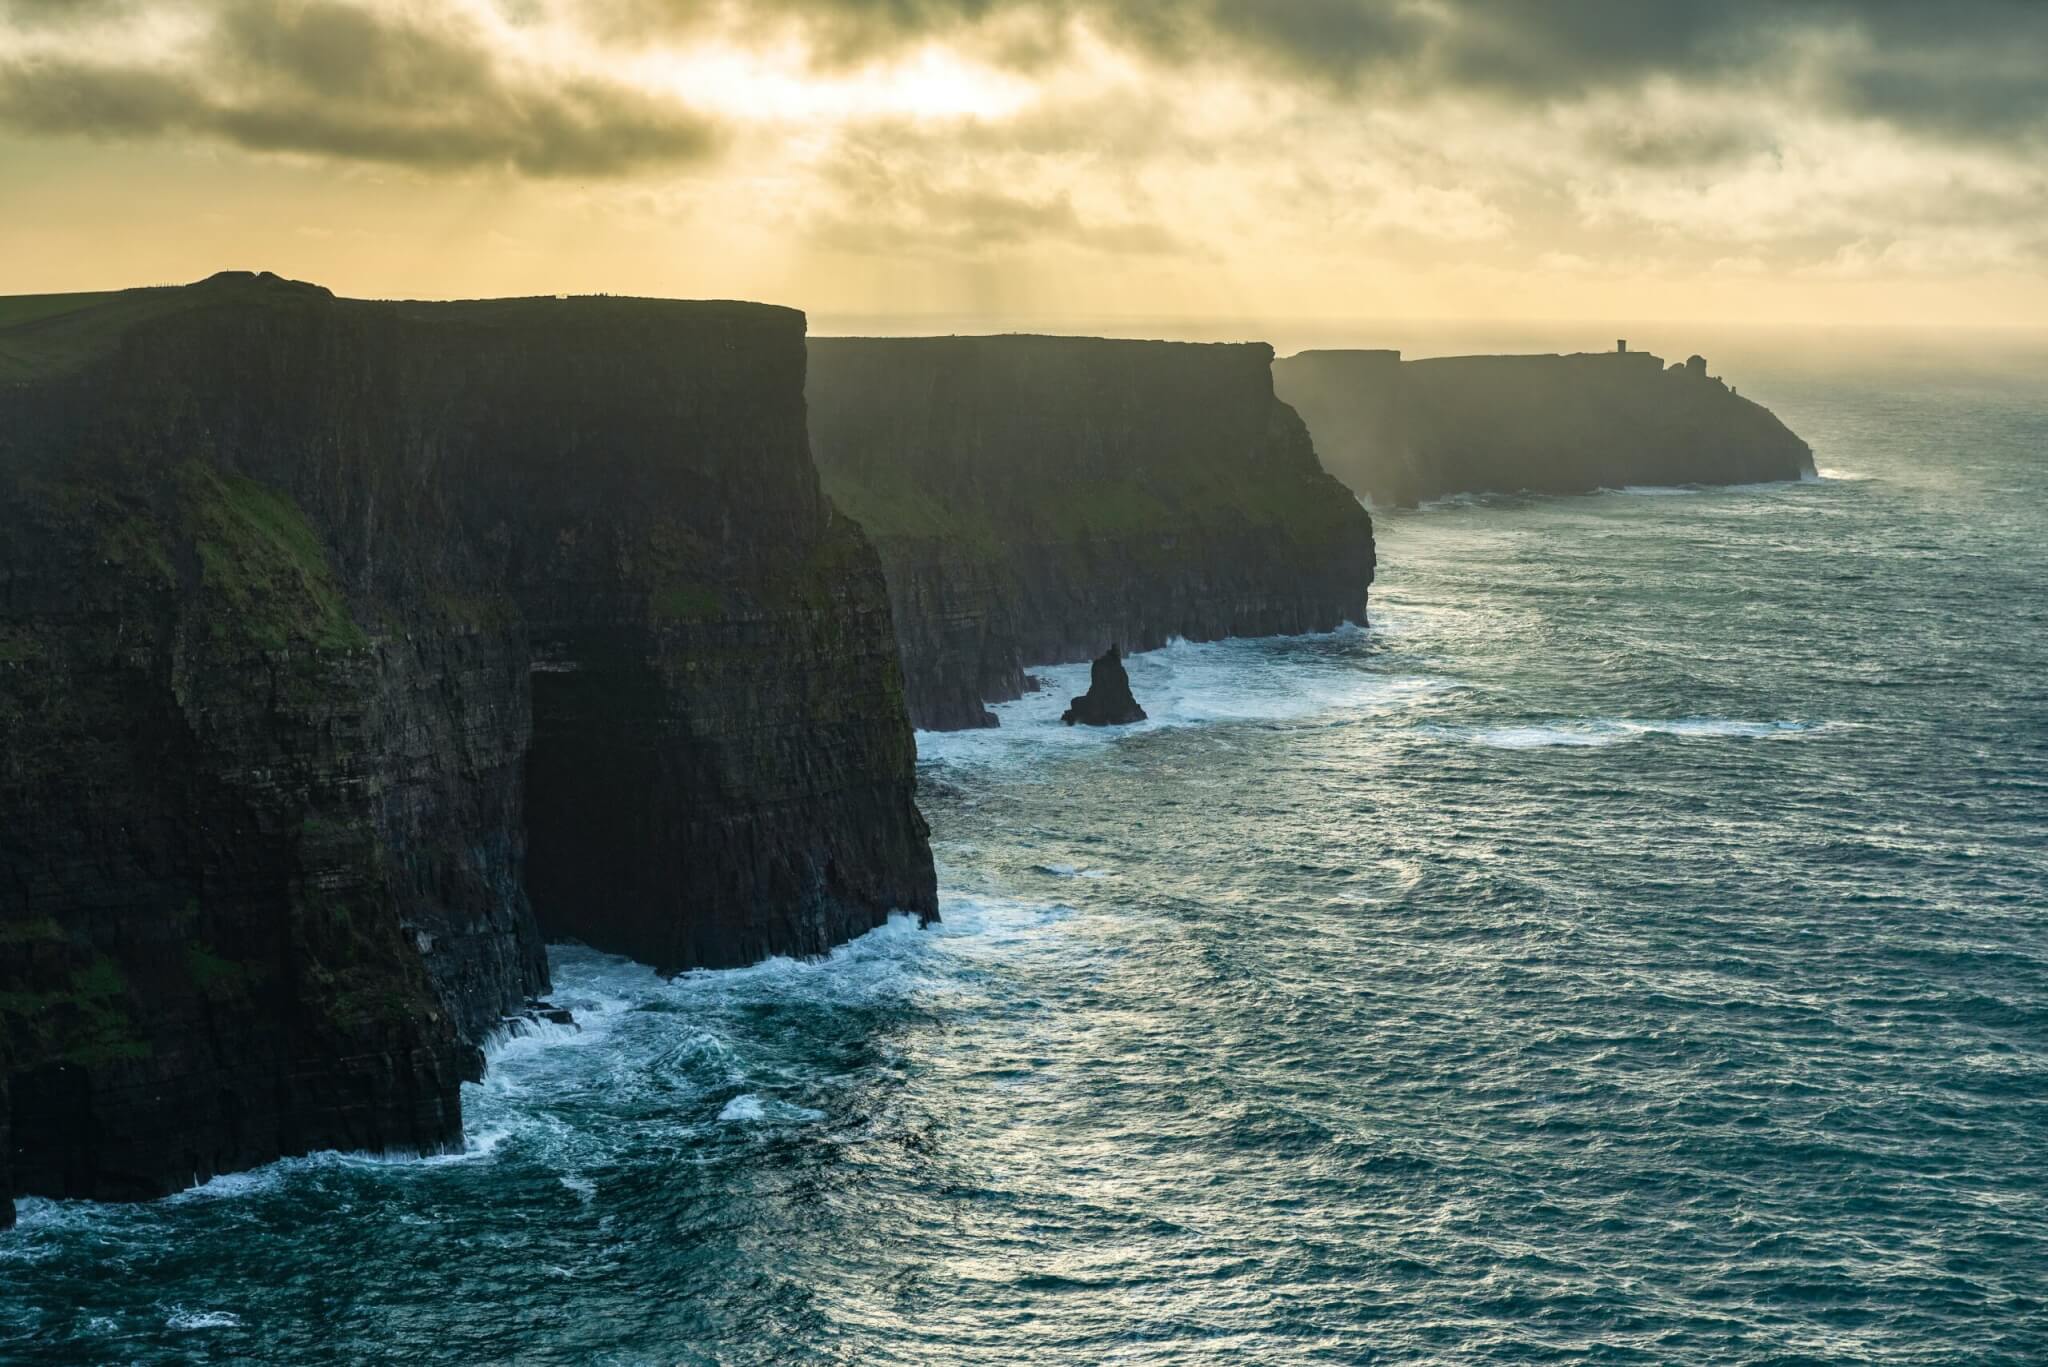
[1403, 432]
[1040, 499]
[349, 649]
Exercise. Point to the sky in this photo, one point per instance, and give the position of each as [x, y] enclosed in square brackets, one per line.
[1742, 161]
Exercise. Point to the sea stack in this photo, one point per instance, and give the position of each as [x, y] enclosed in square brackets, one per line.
[1108, 701]
[1035, 500]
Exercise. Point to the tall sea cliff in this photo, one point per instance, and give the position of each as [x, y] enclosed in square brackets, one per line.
[348, 650]
[1038, 499]
[1402, 432]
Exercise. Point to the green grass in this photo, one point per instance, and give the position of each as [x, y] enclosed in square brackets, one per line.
[218, 978]
[482, 612]
[891, 499]
[19, 645]
[135, 542]
[43, 335]
[261, 556]
[40, 929]
[897, 503]
[29, 308]
[101, 978]
[688, 603]
[87, 1024]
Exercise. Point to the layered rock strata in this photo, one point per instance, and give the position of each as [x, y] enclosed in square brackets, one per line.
[1402, 432]
[1038, 499]
[348, 649]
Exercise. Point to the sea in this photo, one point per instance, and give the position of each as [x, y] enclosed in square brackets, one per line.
[1632, 947]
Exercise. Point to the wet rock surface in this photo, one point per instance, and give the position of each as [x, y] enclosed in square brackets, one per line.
[1108, 701]
[349, 650]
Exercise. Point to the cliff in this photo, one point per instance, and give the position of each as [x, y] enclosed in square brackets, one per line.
[1039, 499]
[349, 649]
[1401, 432]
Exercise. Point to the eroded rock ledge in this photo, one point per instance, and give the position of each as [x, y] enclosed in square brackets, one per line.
[348, 649]
[1038, 499]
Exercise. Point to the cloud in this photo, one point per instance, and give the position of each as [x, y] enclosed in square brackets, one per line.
[973, 221]
[1248, 140]
[30, 14]
[447, 85]
[1634, 139]
[1968, 68]
[354, 83]
[885, 192]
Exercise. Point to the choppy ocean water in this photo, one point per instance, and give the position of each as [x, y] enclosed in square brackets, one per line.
[1632, 949]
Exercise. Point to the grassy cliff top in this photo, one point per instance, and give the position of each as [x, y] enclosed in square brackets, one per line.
[47, 335]
[1625, 361]
[1020, 439]
[1013, 346]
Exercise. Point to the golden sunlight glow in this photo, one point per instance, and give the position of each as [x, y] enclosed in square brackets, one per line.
[962, 157]
[782, 85]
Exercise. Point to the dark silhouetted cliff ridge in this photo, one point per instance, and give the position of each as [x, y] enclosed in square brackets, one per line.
[349, 649]
[1401, 432]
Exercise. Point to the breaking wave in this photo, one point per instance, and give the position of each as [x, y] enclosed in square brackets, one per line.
[1630, 948]
[1619, 731]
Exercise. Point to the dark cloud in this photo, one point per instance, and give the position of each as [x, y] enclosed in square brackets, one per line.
[33, 14]
[1968, 68]
[332, 79]
[348, 79]
[1957, 67]
[1663, 144]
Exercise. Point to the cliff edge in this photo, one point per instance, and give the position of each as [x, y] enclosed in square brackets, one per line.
[350, 649]
[1037, 499]
[1402, 432]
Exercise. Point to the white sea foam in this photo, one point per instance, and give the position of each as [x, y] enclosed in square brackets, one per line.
[181, 1318]
[1291, 680]
[46, 1215]
[744, 1108]
[1761, 486]
[1469, 500]
[514, 1030]
[236, 1186]
[748, 1109]
[232, 1185]
[1606, 731]
[639, 1035]
[1474, 500]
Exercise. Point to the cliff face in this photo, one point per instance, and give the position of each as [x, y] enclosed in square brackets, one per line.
[1404, 432]
[347, 649]
[1040, 499]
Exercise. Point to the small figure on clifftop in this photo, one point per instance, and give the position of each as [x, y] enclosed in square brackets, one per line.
[1108, 701]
